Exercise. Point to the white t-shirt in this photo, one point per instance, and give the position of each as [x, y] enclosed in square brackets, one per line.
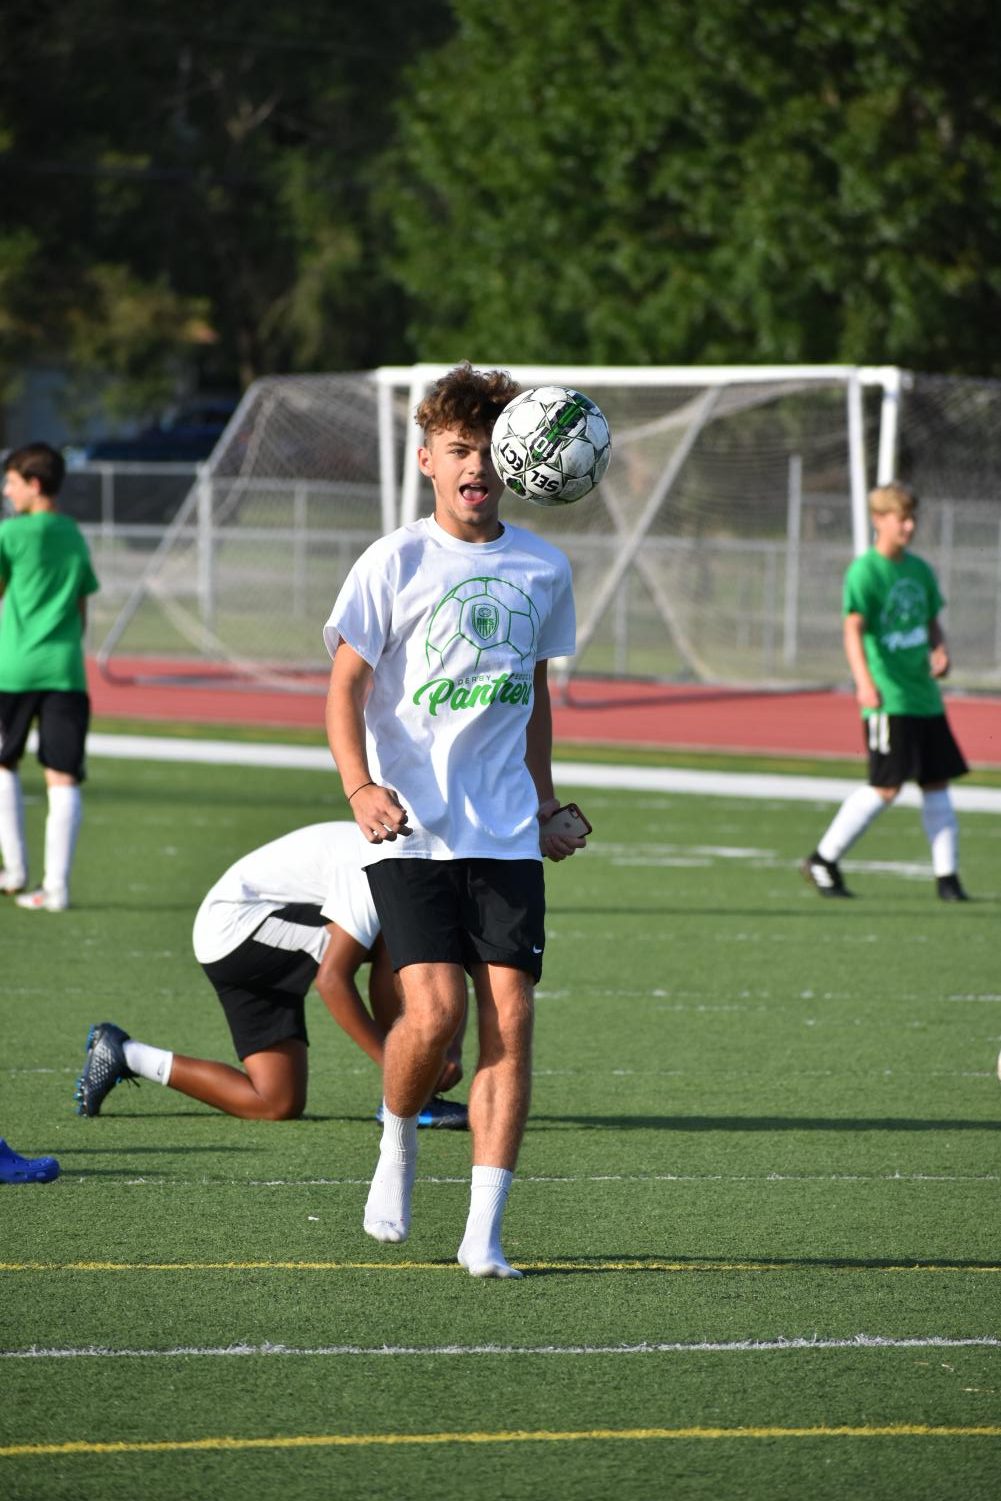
[318, 864]
[453, 630]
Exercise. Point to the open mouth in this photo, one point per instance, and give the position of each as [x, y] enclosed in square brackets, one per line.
[474, 495]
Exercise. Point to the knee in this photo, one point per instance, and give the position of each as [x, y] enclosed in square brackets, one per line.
[435, 1029]
[507, 1033]
[282, 1107]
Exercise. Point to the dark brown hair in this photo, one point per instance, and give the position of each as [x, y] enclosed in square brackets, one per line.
[466, 399]
[39, 462]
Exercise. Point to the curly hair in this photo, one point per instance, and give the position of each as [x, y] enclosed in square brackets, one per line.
[466, 399]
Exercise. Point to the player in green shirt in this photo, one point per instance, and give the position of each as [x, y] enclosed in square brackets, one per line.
[45, 578]
[897, 653]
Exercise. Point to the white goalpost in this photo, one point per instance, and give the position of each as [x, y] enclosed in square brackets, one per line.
[712, 550]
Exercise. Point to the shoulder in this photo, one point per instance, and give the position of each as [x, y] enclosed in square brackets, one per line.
[521, 539]
[389, 550]
[920, 565]
[57, 525]
[864, 570]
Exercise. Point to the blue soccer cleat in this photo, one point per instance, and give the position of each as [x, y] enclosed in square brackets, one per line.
[103, 1067]
[446, 1115]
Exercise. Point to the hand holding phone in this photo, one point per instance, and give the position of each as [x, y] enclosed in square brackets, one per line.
[566, 820]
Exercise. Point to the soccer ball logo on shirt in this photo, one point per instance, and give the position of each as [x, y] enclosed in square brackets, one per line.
[482, 624]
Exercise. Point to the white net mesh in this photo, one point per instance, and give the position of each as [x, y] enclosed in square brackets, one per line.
[713, 549]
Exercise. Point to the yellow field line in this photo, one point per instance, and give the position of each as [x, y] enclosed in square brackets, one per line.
[649, 1265]
[516, 1436]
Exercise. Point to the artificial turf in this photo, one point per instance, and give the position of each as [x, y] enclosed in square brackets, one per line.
[756, 1203]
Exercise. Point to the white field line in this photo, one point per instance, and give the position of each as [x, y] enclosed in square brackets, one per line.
[571, 773]
[944, 1179]
[654, 1178]
[146, 1180]
[647, 1347]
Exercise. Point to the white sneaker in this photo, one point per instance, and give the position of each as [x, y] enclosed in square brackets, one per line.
[10, 885]
[43, 901]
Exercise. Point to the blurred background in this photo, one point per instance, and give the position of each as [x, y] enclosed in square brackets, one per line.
[200, 201]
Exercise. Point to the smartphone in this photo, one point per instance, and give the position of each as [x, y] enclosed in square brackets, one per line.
[567, 820]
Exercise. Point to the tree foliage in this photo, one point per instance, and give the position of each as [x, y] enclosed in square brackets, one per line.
[192, 181]
[327, 185]
[664, 181]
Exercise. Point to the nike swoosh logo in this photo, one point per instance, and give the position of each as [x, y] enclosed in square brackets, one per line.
[535, 950]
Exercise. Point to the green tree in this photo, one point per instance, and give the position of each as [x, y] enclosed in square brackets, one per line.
[192, 183]
[695, 181]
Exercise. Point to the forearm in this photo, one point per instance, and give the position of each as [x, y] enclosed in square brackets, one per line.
[939, 658]
[539, 737]
[348, 1010]
[345, 722]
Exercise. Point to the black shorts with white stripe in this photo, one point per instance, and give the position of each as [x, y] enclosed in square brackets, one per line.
[911, 748]
[262, 985]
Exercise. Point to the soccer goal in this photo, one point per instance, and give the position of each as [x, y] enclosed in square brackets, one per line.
[712, 550]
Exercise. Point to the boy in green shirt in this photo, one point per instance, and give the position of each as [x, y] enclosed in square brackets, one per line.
[897, 652]
[45, 578]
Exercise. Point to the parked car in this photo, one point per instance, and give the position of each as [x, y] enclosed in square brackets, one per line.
[186, 435]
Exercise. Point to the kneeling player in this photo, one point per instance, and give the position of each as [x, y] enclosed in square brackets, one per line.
[294, 913]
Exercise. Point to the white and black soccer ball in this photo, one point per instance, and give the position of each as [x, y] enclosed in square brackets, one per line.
[551, 445]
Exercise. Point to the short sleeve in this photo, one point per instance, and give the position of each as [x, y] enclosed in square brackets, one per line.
[363, 610]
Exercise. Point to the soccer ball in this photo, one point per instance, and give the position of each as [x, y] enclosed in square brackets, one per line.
[551, 445]
[480, 624]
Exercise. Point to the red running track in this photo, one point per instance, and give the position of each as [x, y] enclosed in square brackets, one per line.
[695, 717]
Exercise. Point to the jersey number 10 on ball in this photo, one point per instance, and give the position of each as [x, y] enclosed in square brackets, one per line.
[551, 445]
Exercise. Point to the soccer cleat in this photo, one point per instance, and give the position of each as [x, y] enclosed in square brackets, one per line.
[43, 901]
[446, 1115]
[10, 885]
[824, 875]
[103, 1067]
[949, 889]
[17, 1169]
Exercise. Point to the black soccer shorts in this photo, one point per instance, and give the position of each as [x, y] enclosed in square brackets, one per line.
[911, 748]
[475, 911]
[63, 720]
[263, 989]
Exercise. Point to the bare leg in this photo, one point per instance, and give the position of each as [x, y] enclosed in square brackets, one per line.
[272, 1089]
[498, 1109]
[434, 1004]
[434, 1000]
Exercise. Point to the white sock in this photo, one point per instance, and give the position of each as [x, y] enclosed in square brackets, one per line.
[61, 828]
[154, 1064]
[480, 1252]
[942, 830]
[387, 1210]
[861, 808]
[12, 842]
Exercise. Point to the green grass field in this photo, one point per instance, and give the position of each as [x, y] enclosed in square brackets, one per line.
[757, 1204]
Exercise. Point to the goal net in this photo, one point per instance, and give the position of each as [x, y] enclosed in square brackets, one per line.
[713, 549]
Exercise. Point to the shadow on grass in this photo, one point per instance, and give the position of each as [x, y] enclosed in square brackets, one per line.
[768, 911]
[199, 1112]
[146, 1151]
[146, 908]
[759, 1123]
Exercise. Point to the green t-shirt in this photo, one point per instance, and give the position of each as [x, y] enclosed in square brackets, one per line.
[45, 569]
[898, 600]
